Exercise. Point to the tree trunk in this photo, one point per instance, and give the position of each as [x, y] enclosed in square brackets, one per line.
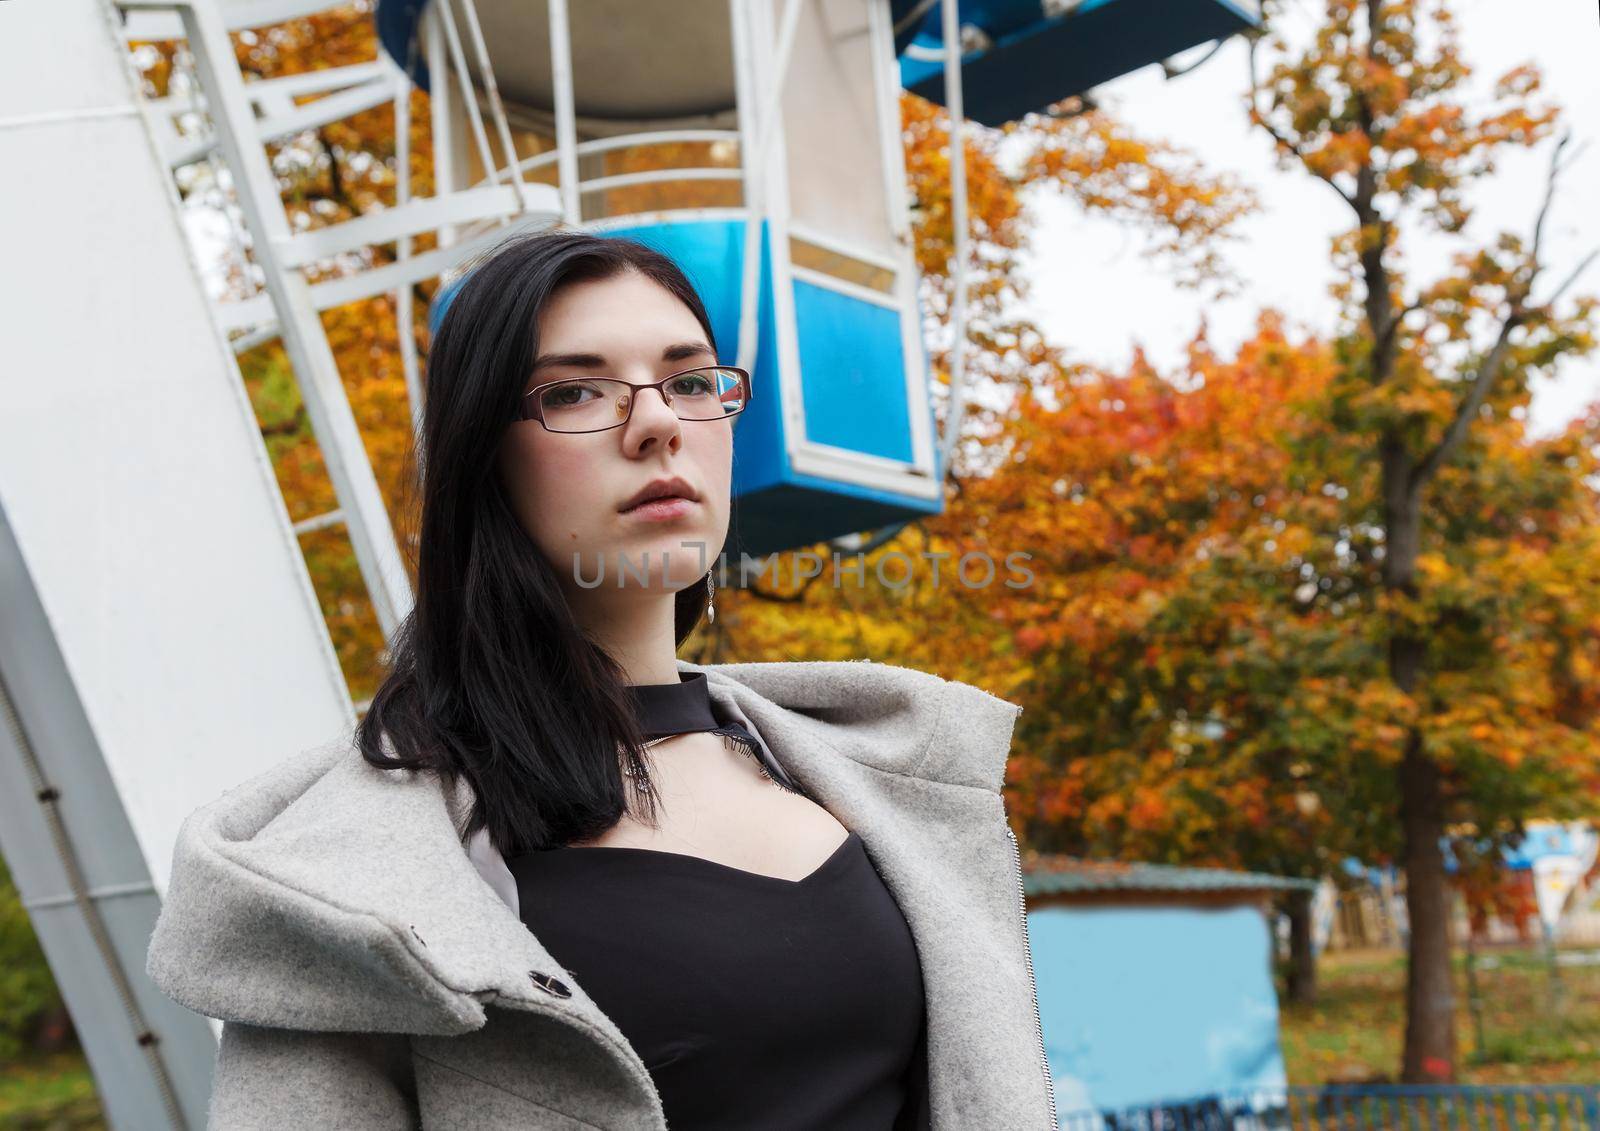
[1430, 1050]
[1301, 983]
[1430, 1045]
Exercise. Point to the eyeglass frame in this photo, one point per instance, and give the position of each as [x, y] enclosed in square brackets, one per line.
[534, 413]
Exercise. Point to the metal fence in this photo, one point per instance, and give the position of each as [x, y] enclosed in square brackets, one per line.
[1364, 1107]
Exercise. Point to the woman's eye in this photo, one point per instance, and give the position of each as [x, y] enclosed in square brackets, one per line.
[693, 385]
[564, 396]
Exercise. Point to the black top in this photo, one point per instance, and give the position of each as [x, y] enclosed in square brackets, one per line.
[753, 1000]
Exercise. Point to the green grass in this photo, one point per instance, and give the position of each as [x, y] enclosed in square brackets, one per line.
[1355, 1030]
[54, 1093]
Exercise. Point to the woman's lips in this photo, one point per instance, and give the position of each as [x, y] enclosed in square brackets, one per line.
[659, 510]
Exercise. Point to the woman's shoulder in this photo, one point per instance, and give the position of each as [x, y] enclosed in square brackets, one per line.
[890, 715]
[858, 674]
[258, 798]
[290, 895]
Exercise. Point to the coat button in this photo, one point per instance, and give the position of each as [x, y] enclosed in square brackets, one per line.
[548, 984]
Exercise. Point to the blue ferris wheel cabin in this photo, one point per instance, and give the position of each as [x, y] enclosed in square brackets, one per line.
[840, 434]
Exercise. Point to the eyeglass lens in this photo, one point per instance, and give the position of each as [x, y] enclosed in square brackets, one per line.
[587, 404]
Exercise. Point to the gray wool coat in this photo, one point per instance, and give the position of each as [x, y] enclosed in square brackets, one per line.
[372, 972]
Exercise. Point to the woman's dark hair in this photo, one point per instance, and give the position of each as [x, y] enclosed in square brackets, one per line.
[491, 678]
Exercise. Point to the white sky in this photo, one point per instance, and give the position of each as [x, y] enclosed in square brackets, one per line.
[1097, 292]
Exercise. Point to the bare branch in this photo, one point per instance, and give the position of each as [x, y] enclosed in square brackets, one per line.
[1556, 168]
[1519, 312]
[1383, 350]
[883, 535]
[1171, 72]
[1468, 408]
[1583, 147]
[1255, 95]
[795, 598]
[1583, 266]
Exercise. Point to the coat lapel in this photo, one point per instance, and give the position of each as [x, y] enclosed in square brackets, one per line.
[941, 847]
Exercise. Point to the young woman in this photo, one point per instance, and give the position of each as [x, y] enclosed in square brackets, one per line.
[765, 895]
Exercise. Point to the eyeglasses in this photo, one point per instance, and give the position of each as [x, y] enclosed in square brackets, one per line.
[595, 404]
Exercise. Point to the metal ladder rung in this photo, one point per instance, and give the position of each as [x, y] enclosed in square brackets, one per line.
[104, 892]
[256, 314]
[158, 19]
[426, 213]
[319, 522]
[333, 108]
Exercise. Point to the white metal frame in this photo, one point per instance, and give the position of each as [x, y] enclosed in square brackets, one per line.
[154, 23]
[951, 30]
[68, 841]
[808, 456]
[887, 68]
[244, 117]
[348, 90]
[845, 287]
[771, 181]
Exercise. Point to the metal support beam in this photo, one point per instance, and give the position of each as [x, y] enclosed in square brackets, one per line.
[338, 436]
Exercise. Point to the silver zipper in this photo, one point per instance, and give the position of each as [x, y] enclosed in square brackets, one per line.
[1033, 986]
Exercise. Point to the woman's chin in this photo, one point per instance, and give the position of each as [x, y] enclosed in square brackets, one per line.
[670, 560]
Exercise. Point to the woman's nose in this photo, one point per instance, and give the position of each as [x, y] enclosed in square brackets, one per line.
[652, 416]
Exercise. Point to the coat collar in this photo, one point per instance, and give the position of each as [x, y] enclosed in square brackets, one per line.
[329, 894]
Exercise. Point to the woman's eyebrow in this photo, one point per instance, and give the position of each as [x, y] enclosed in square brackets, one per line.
[681, 351]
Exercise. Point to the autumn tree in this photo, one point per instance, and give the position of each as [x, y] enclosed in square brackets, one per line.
[1203, 655]
[1168, 642]
[1208, 656]
[1377, 107]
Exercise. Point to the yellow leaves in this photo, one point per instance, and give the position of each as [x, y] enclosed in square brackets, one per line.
[1340, 153]
[1404, 613]
[1390, 737]
[1411, 401]
[1187, 210]
[1388, 100]
[993, 199]
[1433, 567]
[1519, 82]
[1384, 718]
[1020, 676]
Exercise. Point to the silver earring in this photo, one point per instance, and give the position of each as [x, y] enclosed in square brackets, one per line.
[711, 598]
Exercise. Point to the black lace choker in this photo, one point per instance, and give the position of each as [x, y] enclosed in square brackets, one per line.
[665, 709]
[685, 707]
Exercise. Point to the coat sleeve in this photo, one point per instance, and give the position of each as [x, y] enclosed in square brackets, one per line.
[270, 1079]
